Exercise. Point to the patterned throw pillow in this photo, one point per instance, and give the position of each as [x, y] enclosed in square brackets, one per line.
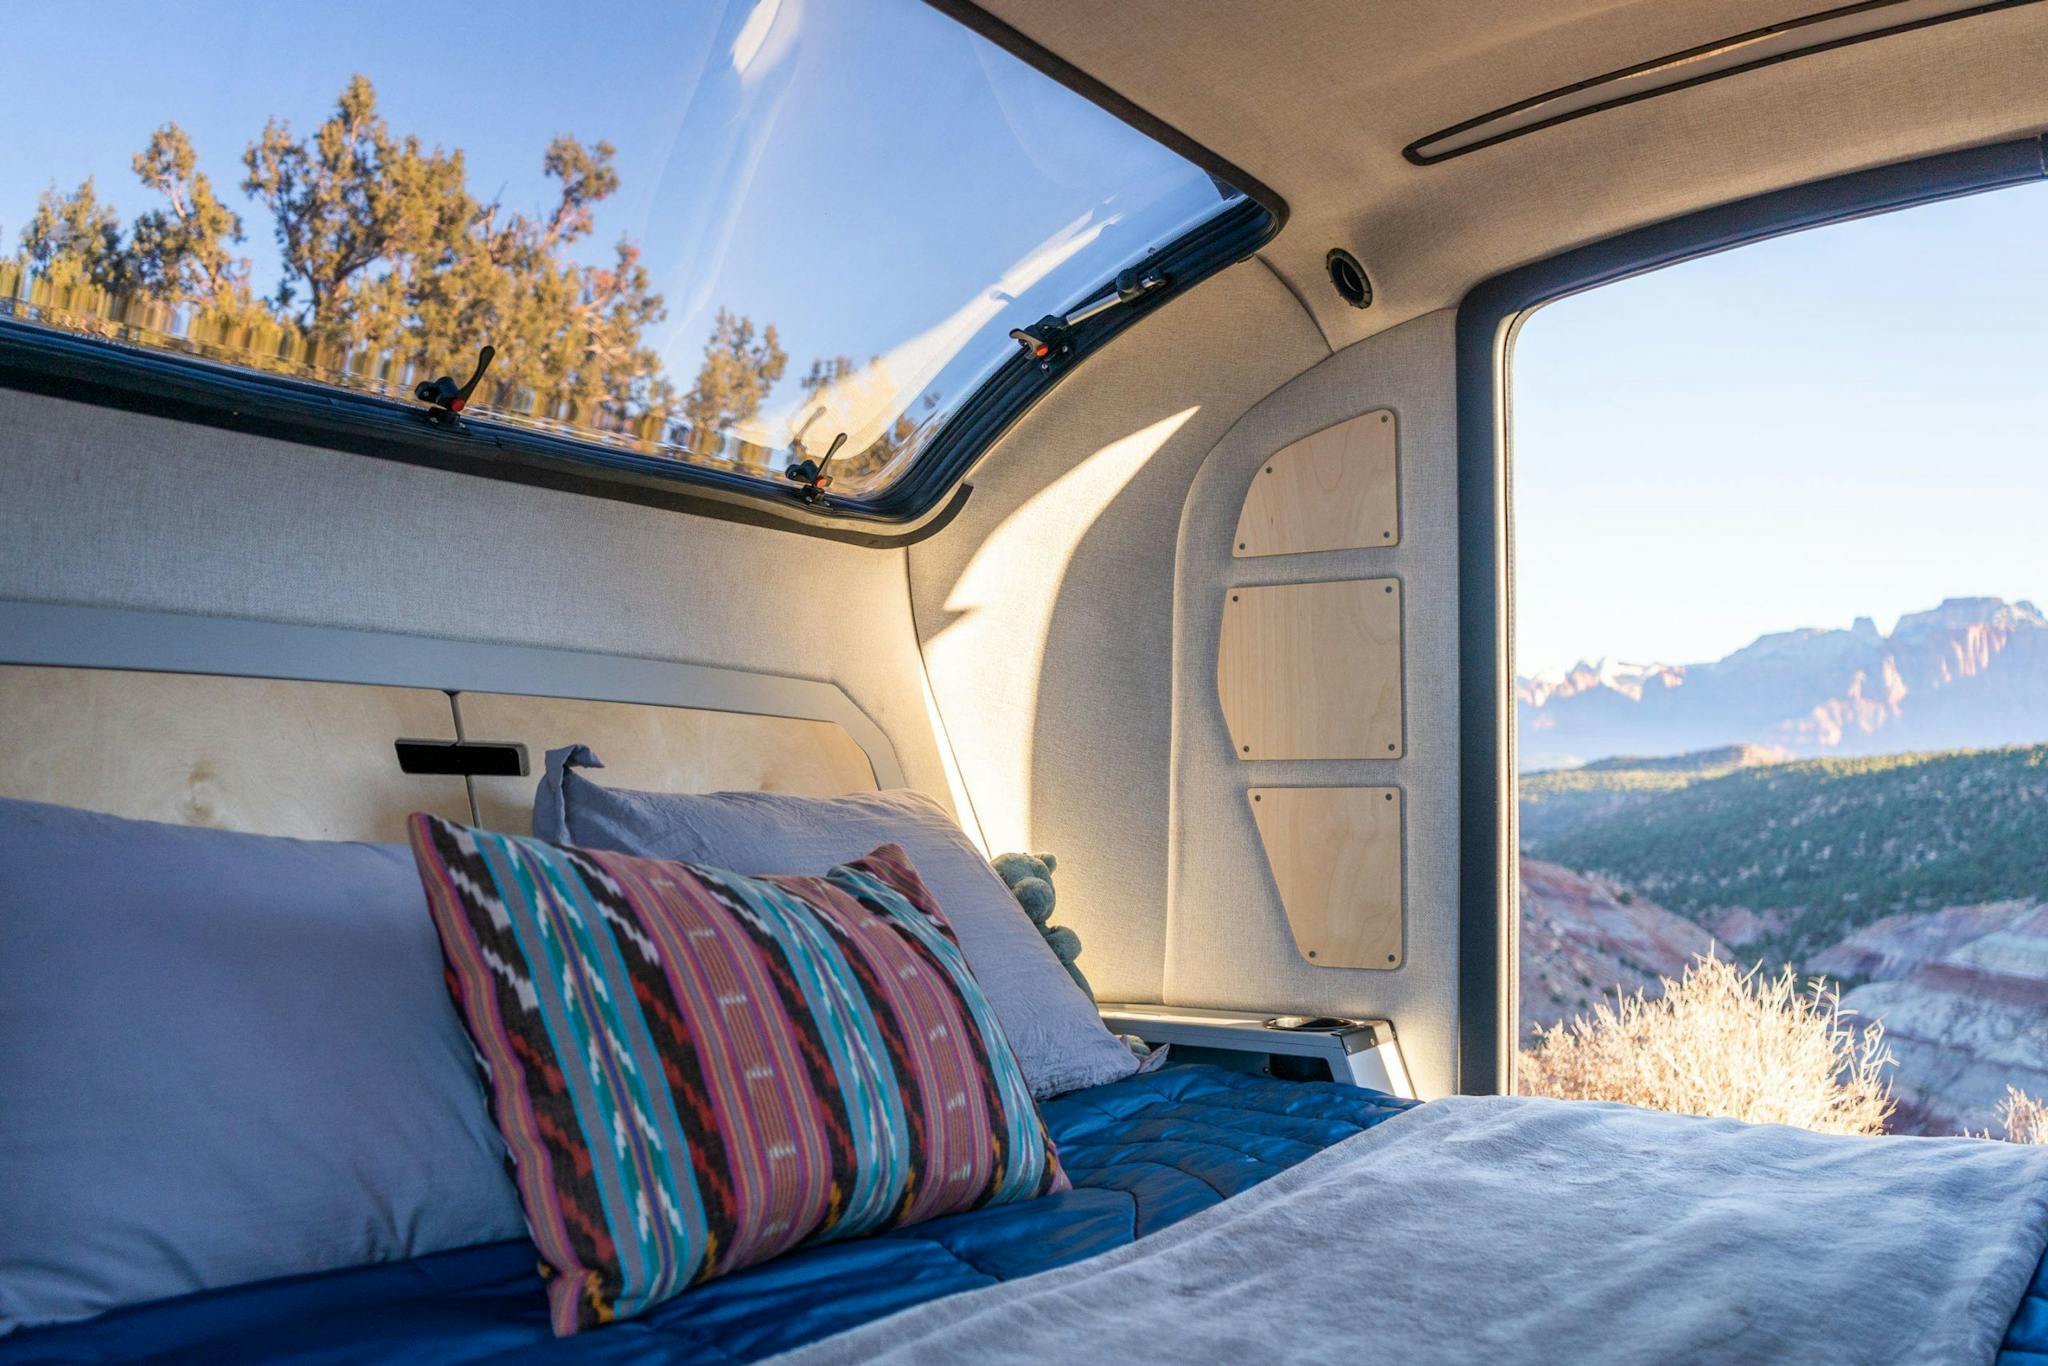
[696, 1071]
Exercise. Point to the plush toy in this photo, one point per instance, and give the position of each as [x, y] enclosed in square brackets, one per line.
[1029, 878]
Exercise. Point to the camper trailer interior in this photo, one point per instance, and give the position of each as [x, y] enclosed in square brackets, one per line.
[838, 680]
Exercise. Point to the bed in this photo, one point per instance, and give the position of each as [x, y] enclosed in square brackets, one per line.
[1143, 1154]
[1161, 1149]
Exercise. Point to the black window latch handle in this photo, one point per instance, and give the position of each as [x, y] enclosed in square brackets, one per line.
[444, 399]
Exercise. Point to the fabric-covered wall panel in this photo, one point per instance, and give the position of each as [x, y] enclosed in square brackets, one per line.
[1046, 609]
[1227, 941]
[118, 509]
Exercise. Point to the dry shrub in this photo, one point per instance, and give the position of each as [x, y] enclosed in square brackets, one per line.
[2024, 1117]
[1721, 1041]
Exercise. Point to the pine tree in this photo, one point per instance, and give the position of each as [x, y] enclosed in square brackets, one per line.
[75, 240]
[393, 270]
[737, 373]
[356, 212]
[183, 251]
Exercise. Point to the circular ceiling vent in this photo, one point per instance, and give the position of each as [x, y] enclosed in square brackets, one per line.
[1349, 278]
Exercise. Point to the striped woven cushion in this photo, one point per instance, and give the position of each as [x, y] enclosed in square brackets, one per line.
[696, 1071]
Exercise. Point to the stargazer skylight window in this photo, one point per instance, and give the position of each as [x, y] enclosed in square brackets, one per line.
[782, 243]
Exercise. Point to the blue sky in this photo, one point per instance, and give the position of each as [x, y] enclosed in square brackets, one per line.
[880, 167]
[1842, 422]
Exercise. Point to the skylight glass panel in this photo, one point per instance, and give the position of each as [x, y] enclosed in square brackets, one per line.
[725, 235]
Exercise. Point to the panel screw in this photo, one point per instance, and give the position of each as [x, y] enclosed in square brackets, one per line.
[1390, 958]
[1391, 748]
[1311, 953]
[1269, 469]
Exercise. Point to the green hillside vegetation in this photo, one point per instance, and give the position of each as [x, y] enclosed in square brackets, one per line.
[1829, 844]
[1566, 798]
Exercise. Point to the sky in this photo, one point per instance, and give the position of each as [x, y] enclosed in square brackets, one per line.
[1849, 421]
[855, 171]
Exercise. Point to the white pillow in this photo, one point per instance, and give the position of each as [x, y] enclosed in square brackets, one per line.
[1053, 1027]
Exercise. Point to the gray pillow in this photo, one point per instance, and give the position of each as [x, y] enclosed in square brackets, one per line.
[223, 1058]
[1052, 1026]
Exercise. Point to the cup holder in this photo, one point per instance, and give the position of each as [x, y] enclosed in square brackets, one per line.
[1309, 1023]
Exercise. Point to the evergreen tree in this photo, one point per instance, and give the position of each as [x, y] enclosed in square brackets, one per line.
[356, 211]
[391, 268]
[738, 371]
[75, 239]
[183, 250]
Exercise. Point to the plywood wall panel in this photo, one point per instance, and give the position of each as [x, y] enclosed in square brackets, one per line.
[115, 509]
[1312, 670]
[662, 749]
[1335, 490]
[1335, 855]
[264, 756]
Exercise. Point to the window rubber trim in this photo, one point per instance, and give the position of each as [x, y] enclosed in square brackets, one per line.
[930, 493]
[1488, 316]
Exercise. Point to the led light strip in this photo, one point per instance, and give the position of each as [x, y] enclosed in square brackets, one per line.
[1727, 57]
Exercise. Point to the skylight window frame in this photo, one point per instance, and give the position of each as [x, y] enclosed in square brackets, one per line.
[928, 494]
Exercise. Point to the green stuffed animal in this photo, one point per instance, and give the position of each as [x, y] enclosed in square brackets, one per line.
[1029, 878]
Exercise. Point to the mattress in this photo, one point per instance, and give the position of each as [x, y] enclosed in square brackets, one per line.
[1142, 1153]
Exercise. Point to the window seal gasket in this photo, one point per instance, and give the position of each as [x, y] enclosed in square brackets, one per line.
[1488, 315]
[930, 493]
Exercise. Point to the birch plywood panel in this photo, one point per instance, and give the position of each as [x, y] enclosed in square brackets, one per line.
[261, 755]
[1312, 670]
[662, 749]
[1335, 490]
[1335, 854]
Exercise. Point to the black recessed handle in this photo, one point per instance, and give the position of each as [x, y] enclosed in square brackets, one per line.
[462, 758]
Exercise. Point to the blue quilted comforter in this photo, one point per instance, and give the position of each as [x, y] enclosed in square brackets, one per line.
[1143, 1153]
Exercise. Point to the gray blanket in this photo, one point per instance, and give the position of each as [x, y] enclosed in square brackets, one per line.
[1524, 1230]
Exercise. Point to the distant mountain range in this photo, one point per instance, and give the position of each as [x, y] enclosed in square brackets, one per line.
[1971, 673]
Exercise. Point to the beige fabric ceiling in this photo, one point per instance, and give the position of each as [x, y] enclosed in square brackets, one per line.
[1317, 97]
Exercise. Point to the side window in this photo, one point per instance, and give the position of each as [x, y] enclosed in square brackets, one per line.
[1782, 679]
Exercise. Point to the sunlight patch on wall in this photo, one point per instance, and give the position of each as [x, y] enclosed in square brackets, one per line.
[993, 648]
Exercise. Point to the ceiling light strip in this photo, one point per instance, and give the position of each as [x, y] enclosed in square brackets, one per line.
[1727, 57]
